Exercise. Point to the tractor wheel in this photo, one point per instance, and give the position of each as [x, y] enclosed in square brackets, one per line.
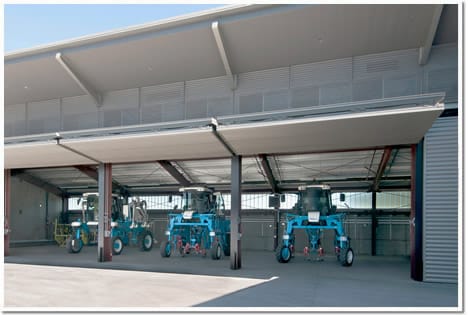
[227, 245]
[74, 245]
[117, 245]
[346, 257]
[215, 250]
[283, 254]
[165, 249]
[146, 241]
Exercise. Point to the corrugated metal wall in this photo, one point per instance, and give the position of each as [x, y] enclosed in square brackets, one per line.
[440, 202]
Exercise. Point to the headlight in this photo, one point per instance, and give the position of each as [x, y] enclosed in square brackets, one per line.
[212, 233]
[286, 237]
[167, 233]
[114, 224]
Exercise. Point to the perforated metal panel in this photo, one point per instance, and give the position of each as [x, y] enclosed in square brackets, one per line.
[43, 116]
[220, 106]
[388, 63]
[154, 98]
[320, 73]
[304, 96]
[120, 108]
[443, 80]
[401, 85]
[275, 100]
[336, 93]
[79, 112]
[250, 103]
[209, 97]
[367, 89]
[264, 80]
[15, 120]
[440, 205]
[196, 108]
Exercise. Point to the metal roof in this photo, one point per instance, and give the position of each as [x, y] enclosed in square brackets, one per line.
[254, 37]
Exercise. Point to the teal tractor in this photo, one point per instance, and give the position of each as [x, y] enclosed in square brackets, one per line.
[314, 213]
[201, 228]
[132, 226]
[85, 229]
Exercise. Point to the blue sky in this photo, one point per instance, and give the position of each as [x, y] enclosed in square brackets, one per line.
[26, 26]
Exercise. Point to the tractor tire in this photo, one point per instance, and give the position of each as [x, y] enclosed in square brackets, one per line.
[165, 249]
[346, 257]
[215, 250]
[146, 241]
[283, 254]
[227, 245]
[117, 245]
[74, 245]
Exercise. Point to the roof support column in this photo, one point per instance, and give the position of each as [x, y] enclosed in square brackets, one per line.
[105, 206]
[236, 179]
[6, 209]
[374, 224]
[416, 215]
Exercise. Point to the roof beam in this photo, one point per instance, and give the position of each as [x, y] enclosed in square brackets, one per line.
[36, 181]
[269, 173]
[425, 51]
[223, 55]
[97, 98]
[174, 172]
[382, 166]
[92, 172]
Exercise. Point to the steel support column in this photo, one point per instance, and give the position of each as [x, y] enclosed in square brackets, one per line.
[6, 209]
[416, 215]
[105, 206]
[374, 224]
[236, 179]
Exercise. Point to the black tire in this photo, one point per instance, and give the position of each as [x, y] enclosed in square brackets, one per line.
[74, 245]
[227, 245]
[117, 245]
[146, 241]
[283, 254]
[346, 257]
[165, 249]
[215, 250]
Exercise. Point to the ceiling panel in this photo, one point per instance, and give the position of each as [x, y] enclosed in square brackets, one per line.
[191, 144]
[335, 133]
[41, 155]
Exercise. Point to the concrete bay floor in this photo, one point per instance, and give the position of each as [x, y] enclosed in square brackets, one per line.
[43, 276]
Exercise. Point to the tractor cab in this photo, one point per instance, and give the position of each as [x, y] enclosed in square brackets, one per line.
[314, 198]
[199, 200]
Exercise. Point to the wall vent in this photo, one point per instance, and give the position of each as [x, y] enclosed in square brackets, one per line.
[382, 65]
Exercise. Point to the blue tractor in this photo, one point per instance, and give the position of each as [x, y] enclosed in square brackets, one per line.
[315, 213]
[131, 226]
[85, 229]
[201, 228]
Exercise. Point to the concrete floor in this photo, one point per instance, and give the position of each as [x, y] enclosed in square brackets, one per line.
[145, 279]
